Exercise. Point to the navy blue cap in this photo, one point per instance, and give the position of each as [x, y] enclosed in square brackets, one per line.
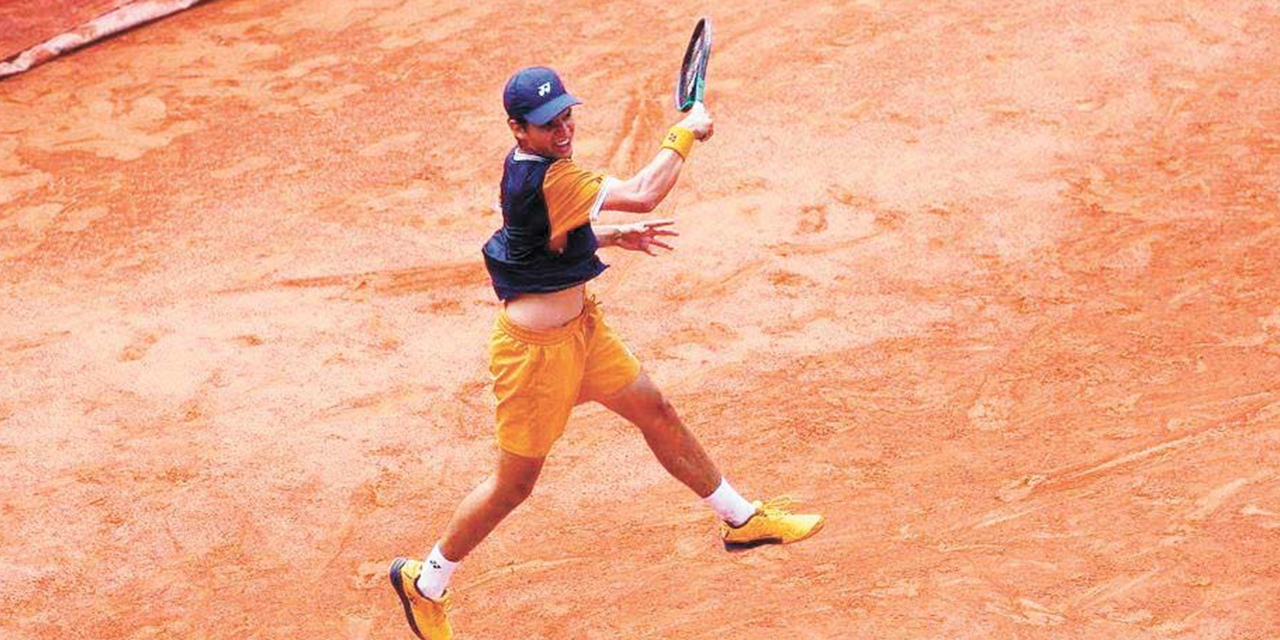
[537, 95]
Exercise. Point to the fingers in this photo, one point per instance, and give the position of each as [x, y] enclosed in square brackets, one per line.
[651, 227]
[653, 231]
[655, 228]
[645, 244]
[699, 121]
[643, 235]
[661, 222]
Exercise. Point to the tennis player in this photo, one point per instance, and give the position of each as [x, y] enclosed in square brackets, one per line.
[552, 349]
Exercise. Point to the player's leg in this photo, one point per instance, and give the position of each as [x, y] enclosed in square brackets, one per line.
[672, 443]
[613, 377]
[476, 517]
[675, 446]
[746, 524]
[487, 504]
[536, 380]
[422, 585]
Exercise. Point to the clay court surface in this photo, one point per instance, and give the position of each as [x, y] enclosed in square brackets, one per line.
[993, 285]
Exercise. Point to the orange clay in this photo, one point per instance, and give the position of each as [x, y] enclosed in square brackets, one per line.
[992, 285]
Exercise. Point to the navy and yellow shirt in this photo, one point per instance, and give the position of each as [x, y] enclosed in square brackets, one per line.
[546, 242]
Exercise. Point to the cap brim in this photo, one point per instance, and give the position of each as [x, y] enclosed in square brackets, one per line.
[548, 112]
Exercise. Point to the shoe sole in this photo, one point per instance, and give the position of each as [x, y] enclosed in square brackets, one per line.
[751, 544]
[397, 582]
[760, 542]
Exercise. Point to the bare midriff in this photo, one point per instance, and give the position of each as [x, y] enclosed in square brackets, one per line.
[546, 310]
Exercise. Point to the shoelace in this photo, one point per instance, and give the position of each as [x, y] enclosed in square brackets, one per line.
[777, 507]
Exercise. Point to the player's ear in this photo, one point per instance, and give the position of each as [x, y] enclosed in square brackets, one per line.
[519, 128]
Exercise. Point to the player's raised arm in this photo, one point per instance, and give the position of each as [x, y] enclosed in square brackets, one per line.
[643, 192]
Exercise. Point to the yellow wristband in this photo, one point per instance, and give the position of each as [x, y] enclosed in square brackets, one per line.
[679, 140]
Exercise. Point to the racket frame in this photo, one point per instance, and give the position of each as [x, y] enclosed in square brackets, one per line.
[698, 67]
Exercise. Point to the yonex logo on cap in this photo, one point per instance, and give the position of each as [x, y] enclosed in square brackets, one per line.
[544, 89]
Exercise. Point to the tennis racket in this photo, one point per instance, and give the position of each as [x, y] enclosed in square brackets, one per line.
[691, 84]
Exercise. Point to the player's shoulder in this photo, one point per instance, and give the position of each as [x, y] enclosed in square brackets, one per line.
[566, 169]
[563, 166]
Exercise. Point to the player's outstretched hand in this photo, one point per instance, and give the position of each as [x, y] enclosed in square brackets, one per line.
[699, 122]
[643, 236]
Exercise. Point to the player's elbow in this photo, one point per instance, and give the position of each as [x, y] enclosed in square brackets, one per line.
[648, 197]
[648, 203]
[633, 201]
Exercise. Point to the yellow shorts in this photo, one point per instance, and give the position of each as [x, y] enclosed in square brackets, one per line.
[538, 376]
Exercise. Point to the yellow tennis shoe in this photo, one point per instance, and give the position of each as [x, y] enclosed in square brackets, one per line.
[428, 618]
[772, 524]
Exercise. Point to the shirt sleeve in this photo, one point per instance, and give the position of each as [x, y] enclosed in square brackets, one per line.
[574, 196]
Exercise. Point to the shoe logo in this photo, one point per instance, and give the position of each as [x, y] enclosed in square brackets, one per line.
[544, 89]
[434, 565]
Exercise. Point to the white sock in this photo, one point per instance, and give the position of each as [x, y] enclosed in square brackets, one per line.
[436, 572]
[730, 506]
